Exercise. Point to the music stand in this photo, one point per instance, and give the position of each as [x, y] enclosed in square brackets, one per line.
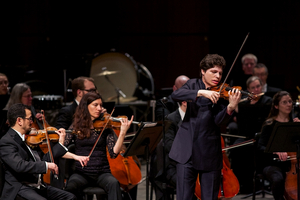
[286, 138]
[144, 143]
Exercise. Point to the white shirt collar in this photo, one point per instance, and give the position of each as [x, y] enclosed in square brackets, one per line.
[181, 112]
[77, 102]
[22, 136]
[264, 88]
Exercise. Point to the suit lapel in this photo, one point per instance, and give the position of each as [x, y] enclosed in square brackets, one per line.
[18, 140]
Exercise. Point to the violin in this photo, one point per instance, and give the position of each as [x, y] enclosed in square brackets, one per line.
[112, 122]
[226, 88]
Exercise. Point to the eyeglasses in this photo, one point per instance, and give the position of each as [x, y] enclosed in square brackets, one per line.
[4, 82]
[286, 102]
[91, 90]
[29, 118]
[27, 96]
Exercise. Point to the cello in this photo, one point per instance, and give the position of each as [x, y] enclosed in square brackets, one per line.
[291, 183]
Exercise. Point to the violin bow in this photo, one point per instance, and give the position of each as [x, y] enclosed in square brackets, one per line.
[101, 133]
[48, 141]
[233, 63]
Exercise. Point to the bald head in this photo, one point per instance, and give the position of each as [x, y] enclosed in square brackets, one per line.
[180, 81]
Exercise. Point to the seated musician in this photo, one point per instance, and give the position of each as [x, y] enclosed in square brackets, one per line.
[249, 118]
[275, 171]
[80, 86]
[21, 93]
[24, 166]
[97, 171]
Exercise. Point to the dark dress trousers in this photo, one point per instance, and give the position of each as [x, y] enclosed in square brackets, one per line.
[197, 145]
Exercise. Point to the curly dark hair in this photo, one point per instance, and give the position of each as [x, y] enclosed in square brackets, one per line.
[82, 118]
[210, 60]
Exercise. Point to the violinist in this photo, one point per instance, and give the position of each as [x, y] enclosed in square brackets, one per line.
[249, 118]
[197, 145]
[23, 166]
[275, 171]
[21, 93]
[97, 172]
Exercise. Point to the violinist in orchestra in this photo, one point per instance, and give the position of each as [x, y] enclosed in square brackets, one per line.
[248, 119]
[20, 93]
[197, 145]
[24, 167]
[249, 61]
[97, 172]
[274, 171]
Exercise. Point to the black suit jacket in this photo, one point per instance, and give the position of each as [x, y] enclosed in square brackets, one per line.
[271, 91]
[198, 138]
[20, 166]
[65, 116]
[175, 118]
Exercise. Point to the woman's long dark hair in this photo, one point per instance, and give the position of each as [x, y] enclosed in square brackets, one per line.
[82, 117]
[274, 111]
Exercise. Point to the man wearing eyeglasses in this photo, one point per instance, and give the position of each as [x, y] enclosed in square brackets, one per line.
[80, 86]
[24, 166]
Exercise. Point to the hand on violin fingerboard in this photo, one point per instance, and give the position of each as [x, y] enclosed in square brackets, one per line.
[103, 110]
[125, 125]
[234, 98]
[62, 134]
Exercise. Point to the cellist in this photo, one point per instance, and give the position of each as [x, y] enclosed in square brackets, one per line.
[197, 145]
[275, 171]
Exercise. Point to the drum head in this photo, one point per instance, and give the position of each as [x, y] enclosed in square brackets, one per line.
[120, 69]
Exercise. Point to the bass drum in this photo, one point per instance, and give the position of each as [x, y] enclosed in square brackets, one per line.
[113, 70]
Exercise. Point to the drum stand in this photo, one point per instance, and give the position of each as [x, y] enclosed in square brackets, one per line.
[118, 91]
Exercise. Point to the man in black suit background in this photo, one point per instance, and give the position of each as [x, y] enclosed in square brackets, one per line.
[197, 145]
[176, 118]
[261, 71]
[170, 105]
[80, 86]
[23, 166]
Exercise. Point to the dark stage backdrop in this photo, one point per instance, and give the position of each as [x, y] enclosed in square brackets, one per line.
[41, 39]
